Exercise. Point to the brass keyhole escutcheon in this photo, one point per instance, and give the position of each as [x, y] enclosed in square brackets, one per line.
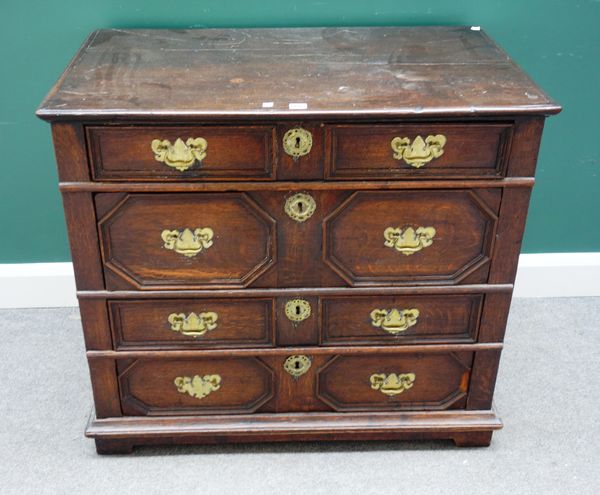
[300, 207]
[297, 310]
[297, 365]
[297, 142]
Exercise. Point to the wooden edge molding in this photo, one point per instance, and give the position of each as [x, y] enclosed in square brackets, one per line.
[438, 113]
[292, 186]
[465, 428]
[312, 351]
[297, 291]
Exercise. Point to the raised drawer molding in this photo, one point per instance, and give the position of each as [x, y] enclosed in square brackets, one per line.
[258, 262]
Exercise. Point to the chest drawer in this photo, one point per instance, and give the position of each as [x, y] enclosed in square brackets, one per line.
[390, 320]
[395, 382]
[294, 382]
[179, 240]
[292, 319]
[192, 323]
[195, 386]
[413, 151]
[295, 151]
[426, 236]
[171, 153]
[234, 240]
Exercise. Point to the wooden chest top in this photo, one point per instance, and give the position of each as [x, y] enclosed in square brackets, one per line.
[265, 73]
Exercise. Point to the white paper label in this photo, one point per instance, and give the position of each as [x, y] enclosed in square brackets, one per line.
[298, 106]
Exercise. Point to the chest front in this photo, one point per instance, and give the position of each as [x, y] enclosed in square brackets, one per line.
[294, 234]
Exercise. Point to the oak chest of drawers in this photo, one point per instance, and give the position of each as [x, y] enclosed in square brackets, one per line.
[294, 234]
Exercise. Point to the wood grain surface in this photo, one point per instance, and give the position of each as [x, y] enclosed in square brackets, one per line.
[354, 90]
[200, 73]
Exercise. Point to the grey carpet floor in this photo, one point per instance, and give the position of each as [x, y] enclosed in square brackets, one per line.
[548, 395]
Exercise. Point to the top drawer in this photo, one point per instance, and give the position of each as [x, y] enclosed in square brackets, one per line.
[416, 151]
[181, 152]
[299, 151]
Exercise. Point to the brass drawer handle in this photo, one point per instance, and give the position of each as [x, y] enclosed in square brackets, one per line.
[297, 310]
[300, 207]
[198, 386]
[179, 155]
[188, 242]
[297, 142]
[394, 320]
[297, 365]
[392, 384]
[409, 240]
[194, 325]
[420, 151]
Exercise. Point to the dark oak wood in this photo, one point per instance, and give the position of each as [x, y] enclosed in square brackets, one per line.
[70, 151]
[468, 428]
[354, 90]
[306, 291]
[115, 447]
[147, 386]
[284, 351]
[525, 147]
[464, 230]
[243, 246]
[144, 324]
[494, 316]
[124, 153]
[519, 182]
[255, 237]
[257, 318]
[472, 150]
[333, 382]
[214, 73]
[105, 388]
[299, 333]
[485, 371]
[440, 382]
[83, 240]
[95, 322]
[307, 167]
[509, 235]
[473, 439]
[448, 318]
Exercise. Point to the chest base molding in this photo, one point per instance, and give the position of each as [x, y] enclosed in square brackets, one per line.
[465, 428]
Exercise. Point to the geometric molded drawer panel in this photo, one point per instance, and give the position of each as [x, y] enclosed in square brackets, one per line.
[431, 381]
[410, 237]
[393, 320]
[191, 323]
[194, 386]
[156, 241]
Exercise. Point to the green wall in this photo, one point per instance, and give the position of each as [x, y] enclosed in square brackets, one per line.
[556, 41]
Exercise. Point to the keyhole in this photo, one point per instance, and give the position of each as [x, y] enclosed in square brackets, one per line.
[297, 365]
[297, 142]
[297, 310]
[300, 206]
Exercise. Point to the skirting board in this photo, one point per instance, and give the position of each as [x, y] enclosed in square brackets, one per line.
[558, 275]
[37, 285]
[51, 285]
